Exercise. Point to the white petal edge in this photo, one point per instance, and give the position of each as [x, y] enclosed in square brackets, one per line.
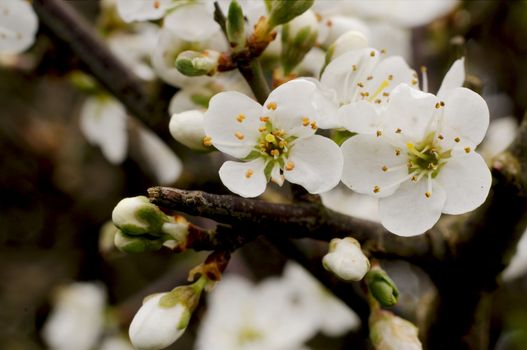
[454, 78]
[235, 176]
[317, 164]
[408, 212]
[466, 180]
[361, 117]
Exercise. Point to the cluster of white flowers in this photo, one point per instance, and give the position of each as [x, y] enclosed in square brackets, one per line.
[78, 320]
[278, 313]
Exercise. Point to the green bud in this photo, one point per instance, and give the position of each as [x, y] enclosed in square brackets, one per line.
[381, 287]
[137, 216]
[83, 82]
[128, 244]
[283, 11]
[235, 26]
[298, 37]
[188, 295]
[194, 63]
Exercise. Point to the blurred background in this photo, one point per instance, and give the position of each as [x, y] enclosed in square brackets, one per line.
[57, 189]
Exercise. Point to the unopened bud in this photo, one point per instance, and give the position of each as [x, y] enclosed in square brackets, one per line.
[346, 260]
[137, 216]
[298, 37]
[283, 11]
[381, 287]
[390, 332]
[164, 317]
[194, 63]
[235, 26]
[187, 128]
[135, 244]
[351, 40]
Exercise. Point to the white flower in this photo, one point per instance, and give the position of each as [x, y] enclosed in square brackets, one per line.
[500, 135]
[330, 314]
[187, 128]
[115, 343]
[454, 78]
[156, 156]
[241, 316]
[276, 141]
[351, 40]
[155, 326]
[406, 13]
[135, 48]
[390, 332]
[18, 26]
[76, 321]
[193, 21]
[103, 123]
[143, 10]
[357, 78]
[417, 155]
[346, 259]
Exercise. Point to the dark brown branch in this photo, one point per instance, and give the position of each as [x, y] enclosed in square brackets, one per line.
[299, 220]
[76, 32]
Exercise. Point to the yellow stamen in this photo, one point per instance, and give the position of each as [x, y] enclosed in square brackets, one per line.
[428, 194]
[467, 149]
[384, 168]
[270, 138]
[289, 166]
[239, 135]
[384, 85]
[275, 153]
[376, 189]
[207, 141]
[264, 119]
[262, 129]
[305, 121]
[271, 105]
[314, 125]
[379, 133]
[398, 131]
[240, 118]
[249, 173]
[457, 139]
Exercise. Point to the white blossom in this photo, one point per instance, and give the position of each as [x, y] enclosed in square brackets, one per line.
[18, 26]
[115, 343]
[143, 10]
[76, 321]
[276, 141]
[103, 123]
[390, 332]
[187, 128]
[341, 199]
[356, 79]
[155, 326]
[417, 155]
[346, 259]
[241, 316]
[330, 314]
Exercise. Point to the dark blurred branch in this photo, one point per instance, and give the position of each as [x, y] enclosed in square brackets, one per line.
[481, 248]
[62, 19]
[299, 220]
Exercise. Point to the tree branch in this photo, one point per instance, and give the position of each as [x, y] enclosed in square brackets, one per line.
[76, 32]
[299, 220]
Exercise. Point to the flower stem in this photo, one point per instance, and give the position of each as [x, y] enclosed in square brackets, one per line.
[254, 76]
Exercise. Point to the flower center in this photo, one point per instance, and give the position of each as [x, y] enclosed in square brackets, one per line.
[273, 142]
[426, 158]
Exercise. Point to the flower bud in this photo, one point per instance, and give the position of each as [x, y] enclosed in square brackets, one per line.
[137, 216]
[187, 128]
[134, 244]
[235, 26]
[164, 317]
[283, 11]
[381, 287]
[390, 332]
[351, 40]
[194, 63]
[346, 260]
[298, 37]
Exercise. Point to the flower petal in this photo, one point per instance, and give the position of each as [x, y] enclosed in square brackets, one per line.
[142, 10]
[466, 180]
[390, 72]
[317, 163]
[361, 117]
[365, 158]
[410, 110]
[291, 103]
[103, 123]
[409, 212]
[454, 78]
[465, 116]
[345, 72]
[192, 22]
[18, 26]
[326, 105]
[232, 122]
[246, 179]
